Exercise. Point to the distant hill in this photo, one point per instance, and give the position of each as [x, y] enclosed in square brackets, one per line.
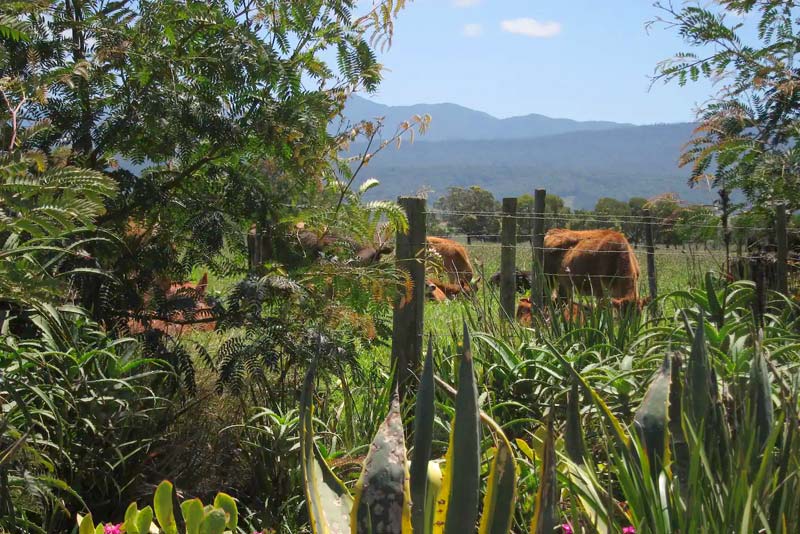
[454, 122]
[580, 161]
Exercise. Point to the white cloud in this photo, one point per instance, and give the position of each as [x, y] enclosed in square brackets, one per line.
[472, 30]
[531, 27]
[466, 3]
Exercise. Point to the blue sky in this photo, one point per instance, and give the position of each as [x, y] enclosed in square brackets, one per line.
[579, 59]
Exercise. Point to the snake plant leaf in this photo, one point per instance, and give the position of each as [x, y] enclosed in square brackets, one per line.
[329, 503]
[193, 515]
[457, 504]
[424, 415]
[162, 503]
[652, 417]
[380, 500]
[226, 502]
[498, 504]
[545, 516]
[573, 433]
[761, 396]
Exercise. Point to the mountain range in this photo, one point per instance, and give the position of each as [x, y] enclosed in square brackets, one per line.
[580, 161]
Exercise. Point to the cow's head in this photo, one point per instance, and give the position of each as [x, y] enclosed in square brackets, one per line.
[434, 292]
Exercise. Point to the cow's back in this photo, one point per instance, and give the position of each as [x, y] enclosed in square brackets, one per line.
[594, 261]
[455, 259]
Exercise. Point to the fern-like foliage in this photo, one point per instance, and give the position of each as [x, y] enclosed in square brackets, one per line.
[46, 214]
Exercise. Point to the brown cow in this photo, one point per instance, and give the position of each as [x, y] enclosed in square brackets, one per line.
[455, 261]
[440, 291]
[434, 293]
[593, 262]
[177, 324]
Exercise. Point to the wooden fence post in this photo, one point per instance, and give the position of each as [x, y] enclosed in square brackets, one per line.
[508, 260]
[407, 322]
[538, 282]
[651, 255]
[782, 242]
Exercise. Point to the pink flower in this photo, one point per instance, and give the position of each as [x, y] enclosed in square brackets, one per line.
[113, 529]
[629, 530]
[566, 528]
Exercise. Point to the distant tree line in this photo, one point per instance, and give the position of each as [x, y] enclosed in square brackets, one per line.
[474, 213]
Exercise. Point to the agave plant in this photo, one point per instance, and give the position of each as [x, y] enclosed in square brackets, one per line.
[395, 496]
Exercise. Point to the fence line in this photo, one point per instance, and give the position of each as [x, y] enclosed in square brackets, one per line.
[614, 220]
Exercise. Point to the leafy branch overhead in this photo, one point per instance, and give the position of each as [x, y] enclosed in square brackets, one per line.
[747, 133]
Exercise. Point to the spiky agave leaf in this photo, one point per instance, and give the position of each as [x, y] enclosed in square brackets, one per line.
[424, 415]
[761, 395]
[498, 504]
[382, 493]
[545, 515]
[457, 505]
[652, 418]
[329, 503]
[573, 434]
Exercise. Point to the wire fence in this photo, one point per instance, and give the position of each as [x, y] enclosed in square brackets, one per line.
[699, 243]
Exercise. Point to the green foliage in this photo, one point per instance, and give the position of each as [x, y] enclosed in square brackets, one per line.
[382, 502]
[83, 414]
[748, 131]
[219, 518]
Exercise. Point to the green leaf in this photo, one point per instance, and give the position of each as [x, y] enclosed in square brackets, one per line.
[545, 516]
[717, 313]
[193, 515]
[214, 522]
[87, 525]
[424, 416]
[619, 432]
[162, 502]
[457, 505]
[226, 502]
[434, 485]
[501, 490]
[698, 377]
[761, 396]
[652, 417]
[329, 503]
[144, 520]
[573, 434]
[380, 503]
[130, 519]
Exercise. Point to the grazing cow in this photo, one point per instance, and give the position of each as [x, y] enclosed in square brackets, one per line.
[524, 279]
[434, 293]
[593, 262]
[441, 291]
[455, 261]
[178, 322]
